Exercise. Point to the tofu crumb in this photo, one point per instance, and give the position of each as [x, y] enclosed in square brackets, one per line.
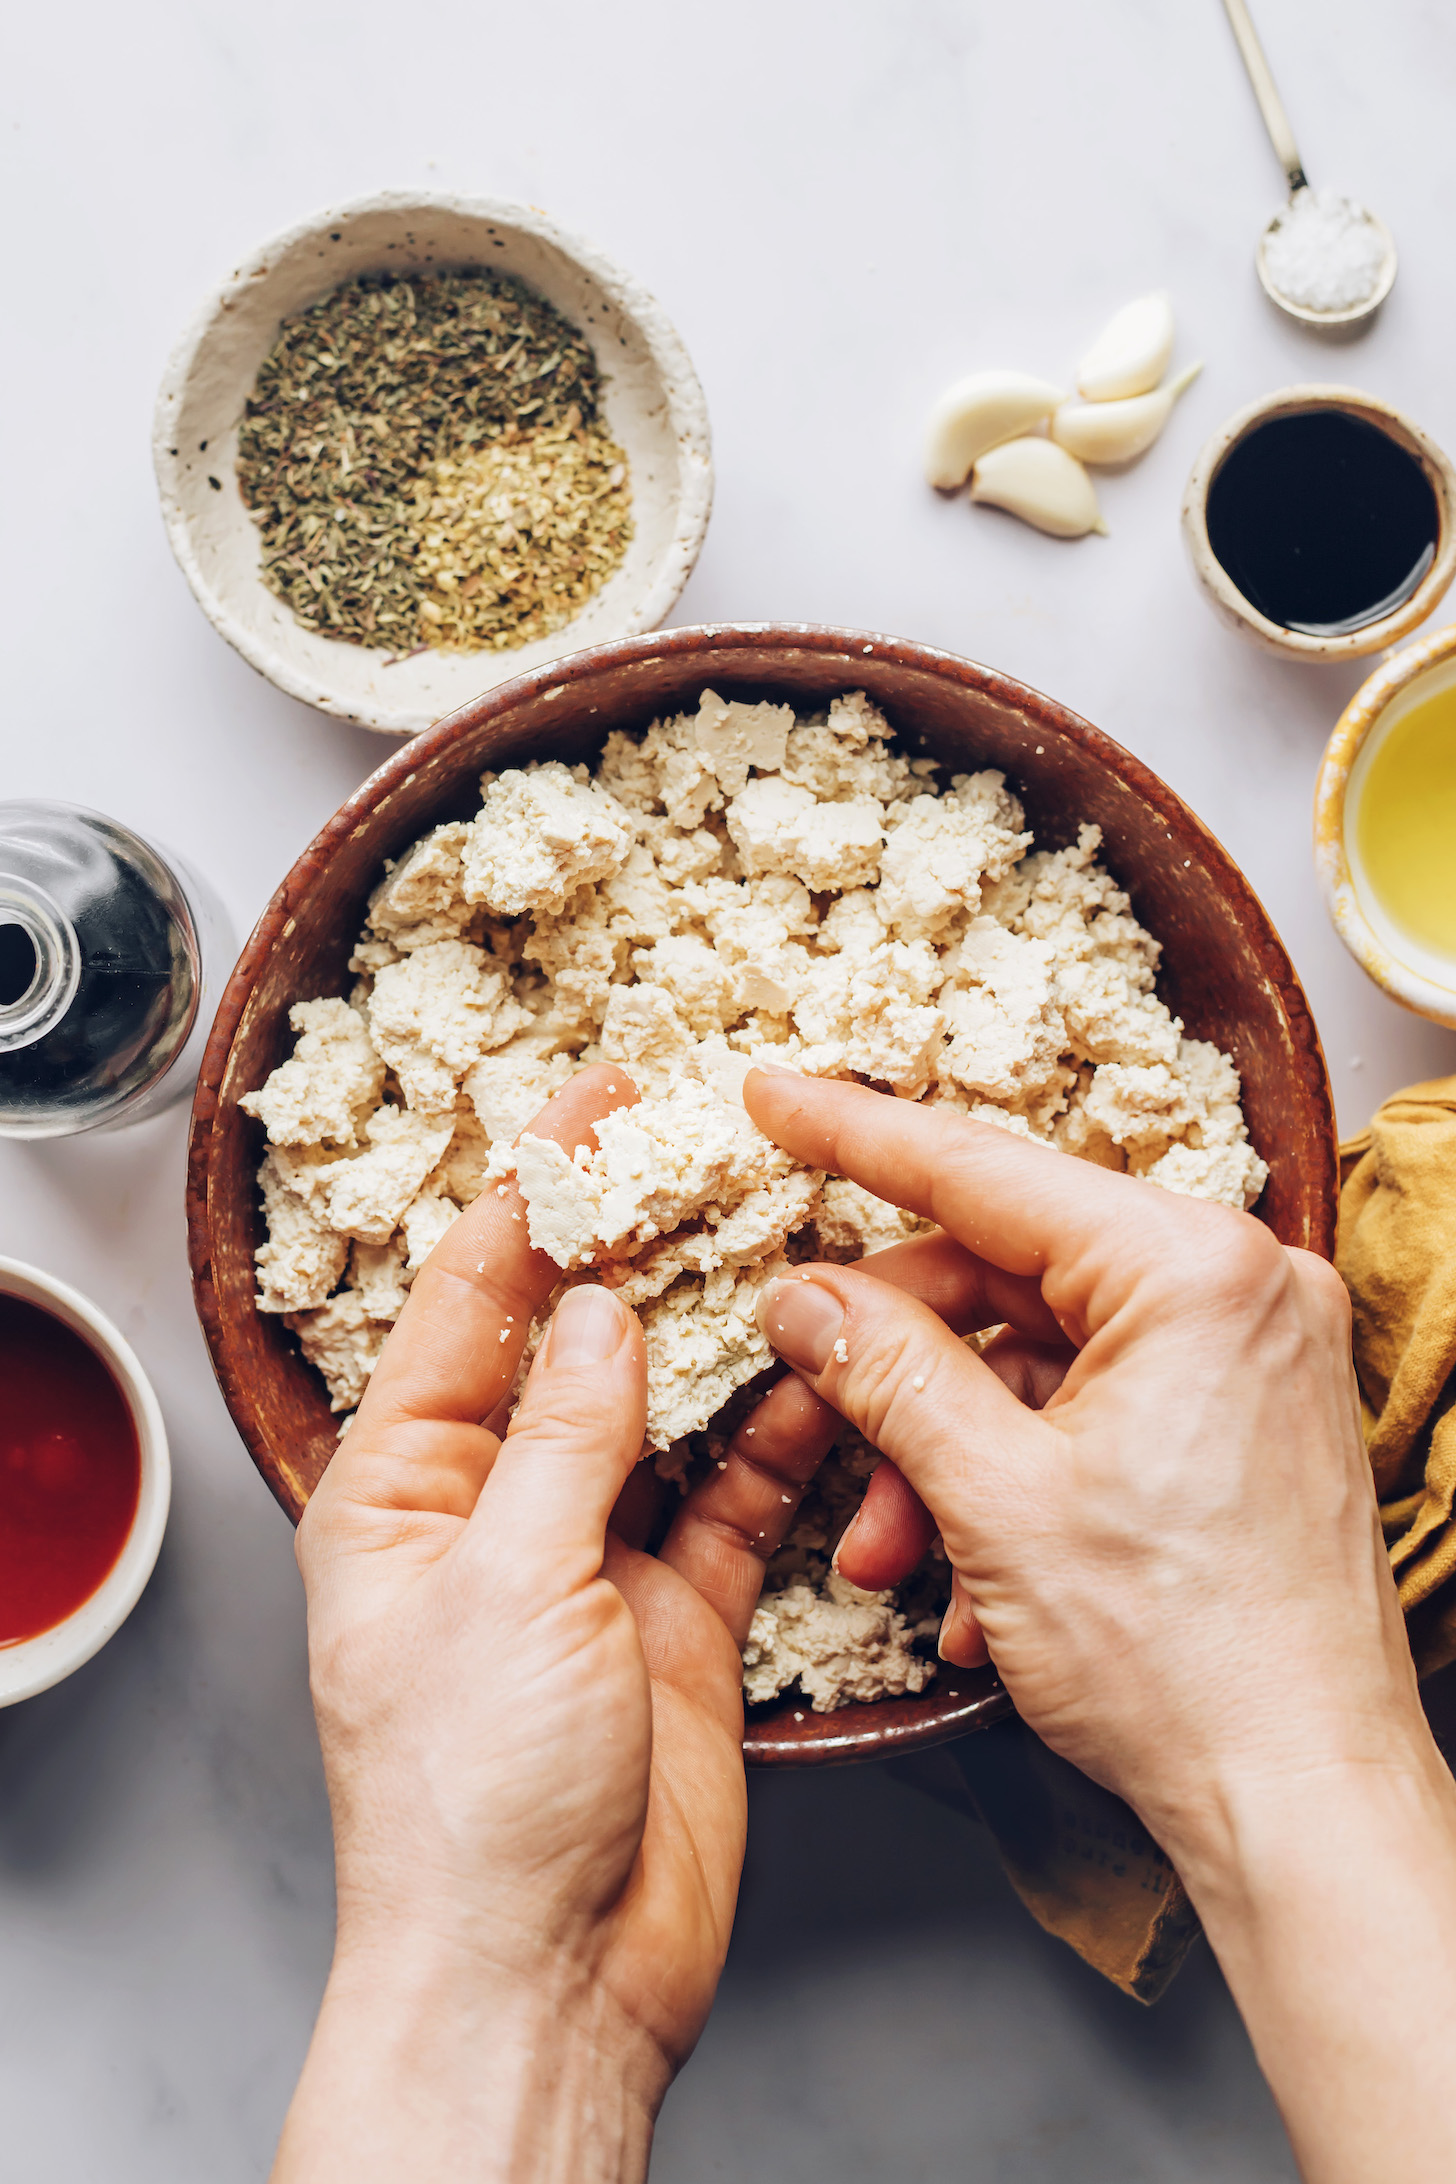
[736, 885]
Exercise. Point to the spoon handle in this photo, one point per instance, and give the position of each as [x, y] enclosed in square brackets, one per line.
[1271, 106]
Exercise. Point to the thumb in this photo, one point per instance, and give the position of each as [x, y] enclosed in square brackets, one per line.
[575, 1436]
[888, 1364]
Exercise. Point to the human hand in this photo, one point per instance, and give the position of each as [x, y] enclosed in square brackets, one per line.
[1154, 1495]
[531, 1732]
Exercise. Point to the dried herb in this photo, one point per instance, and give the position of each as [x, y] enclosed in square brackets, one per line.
[517, 534]
[363, 396]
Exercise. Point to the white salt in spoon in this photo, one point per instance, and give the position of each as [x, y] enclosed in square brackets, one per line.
[1323, 259]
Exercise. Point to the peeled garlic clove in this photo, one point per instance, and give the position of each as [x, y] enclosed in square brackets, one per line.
[978, 413]
[1131, 354]
[1041, 483]
[1115, 432]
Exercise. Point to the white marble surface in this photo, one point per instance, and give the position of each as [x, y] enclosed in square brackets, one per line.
[841, 205]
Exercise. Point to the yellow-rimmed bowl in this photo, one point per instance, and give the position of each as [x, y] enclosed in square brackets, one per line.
[1410, 974]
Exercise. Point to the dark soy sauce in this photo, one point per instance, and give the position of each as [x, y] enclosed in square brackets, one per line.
[1323, 521]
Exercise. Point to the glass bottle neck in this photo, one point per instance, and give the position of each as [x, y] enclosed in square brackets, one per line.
[37, 937]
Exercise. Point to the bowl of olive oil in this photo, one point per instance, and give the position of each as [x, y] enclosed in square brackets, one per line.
[1385, 826]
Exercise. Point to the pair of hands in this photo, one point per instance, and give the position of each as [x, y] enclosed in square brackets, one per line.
[1153, 1493]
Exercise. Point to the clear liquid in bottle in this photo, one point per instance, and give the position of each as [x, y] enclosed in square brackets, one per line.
[112, 959]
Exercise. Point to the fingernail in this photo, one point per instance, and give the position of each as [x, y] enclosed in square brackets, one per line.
[777, 1069]
[944, 1628]
[586, 1327]
[802, 1321]
[843, 1541]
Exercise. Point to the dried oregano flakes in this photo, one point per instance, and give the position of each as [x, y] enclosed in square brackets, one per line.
[427, 464]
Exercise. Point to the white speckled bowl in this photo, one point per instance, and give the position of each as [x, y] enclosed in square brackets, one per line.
[653, 403]
[1407, 972]
[34, 1664]
[1229, 601]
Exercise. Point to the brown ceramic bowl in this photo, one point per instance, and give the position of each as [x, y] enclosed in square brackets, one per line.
[1224, 972]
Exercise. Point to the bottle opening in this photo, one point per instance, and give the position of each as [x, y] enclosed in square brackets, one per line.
[40, 966]
[19, 964]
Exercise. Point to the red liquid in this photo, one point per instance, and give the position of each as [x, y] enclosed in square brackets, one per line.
[70, 1471]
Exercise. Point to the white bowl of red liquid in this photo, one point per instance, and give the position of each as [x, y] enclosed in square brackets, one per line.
[85, 1480]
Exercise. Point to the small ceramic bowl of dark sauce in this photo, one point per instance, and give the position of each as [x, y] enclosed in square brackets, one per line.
[85, 1480]
[1322, 522]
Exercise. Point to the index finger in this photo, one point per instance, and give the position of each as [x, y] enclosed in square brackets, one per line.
[1087, 1235]
[454, 1351]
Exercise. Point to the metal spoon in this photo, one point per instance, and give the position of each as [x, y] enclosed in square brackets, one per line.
[1281, 136]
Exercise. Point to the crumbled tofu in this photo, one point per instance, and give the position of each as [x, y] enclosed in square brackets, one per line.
[644, 1030]
[1230, 1174]
[734, 885]
[1109, 1017]
[539, 835]
[1140, 1103]
[580, 956]
[344, 1343]
[939, 850]
[670, 1159]
[702, 1342]
[872, 1014]
[422, 1224]
[761, 1223]
[435, 1012]
[422, 898]
[851, 1222]
[699, 981]
[329, 1085]
[1007, 1035]
[679, 858]
[366, 1196]
[461, 1173]
[377, 1272]
[509, 1088]
[735, 739]
[778, 827]
[300, 1264]
[838, 1644]
[844, 755]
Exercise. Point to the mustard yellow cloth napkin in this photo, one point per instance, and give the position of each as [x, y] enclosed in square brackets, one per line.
[1076, 1855]
[1397, 1253]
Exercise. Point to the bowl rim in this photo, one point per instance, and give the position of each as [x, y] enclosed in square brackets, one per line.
[1219, 585]
[1412, 988]
[973, 1698]
[682, 391]
[35, 1664]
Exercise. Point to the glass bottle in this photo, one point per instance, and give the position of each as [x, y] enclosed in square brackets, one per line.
[112, 961]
